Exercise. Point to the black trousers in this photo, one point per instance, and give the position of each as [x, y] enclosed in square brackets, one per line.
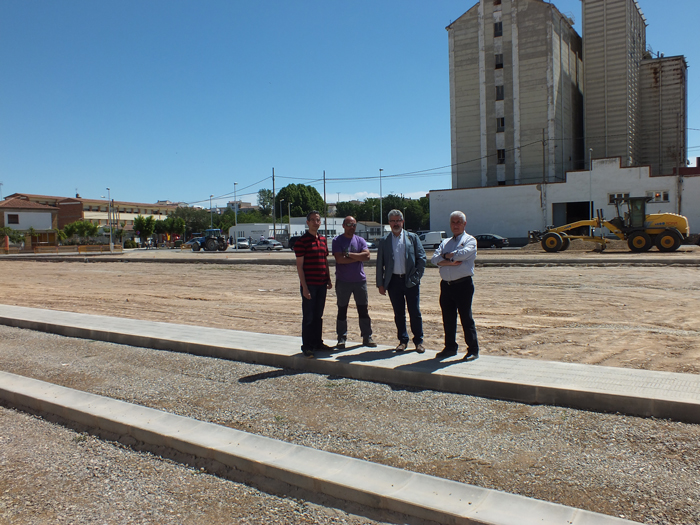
[456, 297]
[312, 320]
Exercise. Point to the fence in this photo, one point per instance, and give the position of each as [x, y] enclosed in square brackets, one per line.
[62, 249]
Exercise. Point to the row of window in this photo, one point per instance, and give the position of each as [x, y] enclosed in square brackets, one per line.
[657, 196]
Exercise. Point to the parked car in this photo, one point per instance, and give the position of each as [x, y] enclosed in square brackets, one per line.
[292, 241]
[267, 245]
[371, 245]
[242, 243]
[490, 240]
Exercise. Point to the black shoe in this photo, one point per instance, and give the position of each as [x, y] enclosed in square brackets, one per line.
[341, 344]
[323, 348]
[447, 352]
[368, 341]
[472, 354]
[308, 354]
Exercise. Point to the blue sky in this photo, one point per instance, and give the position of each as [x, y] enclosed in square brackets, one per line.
[178, 100]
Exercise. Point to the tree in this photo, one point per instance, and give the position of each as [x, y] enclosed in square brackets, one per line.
[15, 236]
[82, 229]
[196, 219]
[144, 226]
[265, 201]
[302, 198]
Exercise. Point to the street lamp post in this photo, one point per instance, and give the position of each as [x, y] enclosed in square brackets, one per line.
[289, 215]
[235, 216]
[590, 183]
[211, 214]
[109, 221]
[381, 211]
[281, 212]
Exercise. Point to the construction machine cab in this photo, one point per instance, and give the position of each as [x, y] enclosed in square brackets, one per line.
[634, 217]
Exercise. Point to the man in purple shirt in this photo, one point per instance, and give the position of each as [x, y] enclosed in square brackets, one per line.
[350, 252]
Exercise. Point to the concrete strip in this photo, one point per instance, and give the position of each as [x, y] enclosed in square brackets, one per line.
[634, 392]
[370, 485]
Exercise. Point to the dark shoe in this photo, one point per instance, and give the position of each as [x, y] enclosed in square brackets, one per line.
[323, 348]
[472, 354]
[420, 348]
[341, 344]
[368, 341]
[447, 352]
[401, 347]
[308, 354]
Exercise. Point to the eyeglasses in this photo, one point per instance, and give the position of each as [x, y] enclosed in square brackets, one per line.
[351, 225]
[395, 220]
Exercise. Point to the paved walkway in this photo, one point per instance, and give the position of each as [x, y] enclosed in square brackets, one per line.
[598, 388]
[634, 392]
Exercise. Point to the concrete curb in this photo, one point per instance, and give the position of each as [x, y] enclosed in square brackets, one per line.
[522, 261]
[632, 392]
[347, 479]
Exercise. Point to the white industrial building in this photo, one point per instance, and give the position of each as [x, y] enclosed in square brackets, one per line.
[514, 210]
[532, 103]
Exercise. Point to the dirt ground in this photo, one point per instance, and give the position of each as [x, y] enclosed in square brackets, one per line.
[625, 316]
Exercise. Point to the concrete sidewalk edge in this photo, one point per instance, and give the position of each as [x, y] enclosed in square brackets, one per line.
[378, 487]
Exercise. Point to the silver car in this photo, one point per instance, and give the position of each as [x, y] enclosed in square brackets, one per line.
[267, 245]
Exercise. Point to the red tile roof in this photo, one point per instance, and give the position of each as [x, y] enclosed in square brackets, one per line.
[24, 204]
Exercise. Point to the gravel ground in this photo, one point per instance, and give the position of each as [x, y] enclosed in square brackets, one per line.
[643, 469]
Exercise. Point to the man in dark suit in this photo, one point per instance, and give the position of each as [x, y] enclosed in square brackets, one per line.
[400, 264]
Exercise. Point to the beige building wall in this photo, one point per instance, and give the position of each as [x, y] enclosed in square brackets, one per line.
[663, 102]
[527, 54]
[614, 43]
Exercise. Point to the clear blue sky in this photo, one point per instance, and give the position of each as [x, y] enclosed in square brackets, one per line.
[177, 100]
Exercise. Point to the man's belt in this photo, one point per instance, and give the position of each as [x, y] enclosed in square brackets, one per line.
[458, 281]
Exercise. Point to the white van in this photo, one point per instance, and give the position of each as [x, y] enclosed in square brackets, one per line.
[432, 239]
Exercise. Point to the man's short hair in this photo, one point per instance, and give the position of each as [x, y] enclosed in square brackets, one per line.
[458, 214]
[346, 218]
[395, 213]
[312, 212]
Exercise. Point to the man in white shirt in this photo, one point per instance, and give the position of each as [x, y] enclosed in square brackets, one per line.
[455, 258]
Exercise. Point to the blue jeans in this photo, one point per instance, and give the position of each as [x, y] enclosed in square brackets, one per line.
[312, 320]
[401, 297]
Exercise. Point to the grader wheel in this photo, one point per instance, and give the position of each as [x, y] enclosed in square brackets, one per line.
[639, 242]
[565, 242]
[667, 241]
[552, 242]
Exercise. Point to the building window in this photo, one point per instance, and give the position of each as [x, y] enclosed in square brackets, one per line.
[613, 196]
[12, 218]
[500, 124]
[501, 183]
[499, 61]
[501, 156]
[499, 93]
[498, 29]
[658, 196]
[496, 2]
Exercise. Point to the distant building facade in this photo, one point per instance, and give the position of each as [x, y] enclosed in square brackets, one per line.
[614, 44]
[516, 94]
[664, 108]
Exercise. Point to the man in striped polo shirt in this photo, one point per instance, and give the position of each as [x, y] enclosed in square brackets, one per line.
[311, 250]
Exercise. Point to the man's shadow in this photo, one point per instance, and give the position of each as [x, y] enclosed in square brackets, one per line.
[432, 364]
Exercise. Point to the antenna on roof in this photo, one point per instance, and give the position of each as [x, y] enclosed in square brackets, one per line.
[0, 190]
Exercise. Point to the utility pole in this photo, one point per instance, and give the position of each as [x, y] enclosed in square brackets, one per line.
[0, 190]
[381, 211]
[235, 216]
[325, 204]
[274, 222]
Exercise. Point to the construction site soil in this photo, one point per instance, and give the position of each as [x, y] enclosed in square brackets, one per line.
[618, 315]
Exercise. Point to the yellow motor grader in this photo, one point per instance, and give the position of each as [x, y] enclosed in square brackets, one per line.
[666, 231]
